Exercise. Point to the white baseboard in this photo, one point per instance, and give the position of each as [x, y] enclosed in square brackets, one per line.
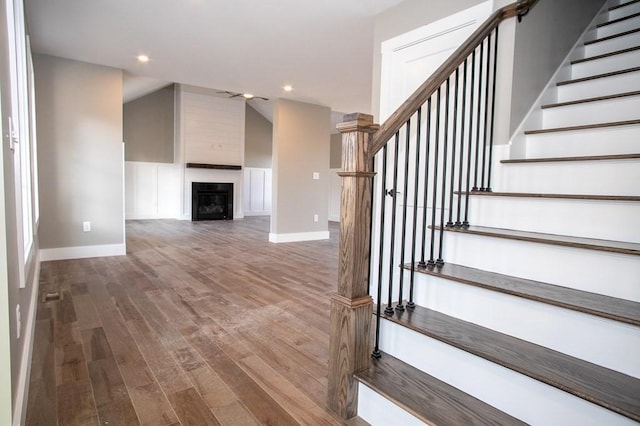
[81, 252]
[22, 393]
[133, 216]
[298, 236]
[257, 213]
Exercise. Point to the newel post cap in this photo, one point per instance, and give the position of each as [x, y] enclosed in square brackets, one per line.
[357, 122]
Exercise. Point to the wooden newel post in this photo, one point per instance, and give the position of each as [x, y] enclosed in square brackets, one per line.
[351, 306]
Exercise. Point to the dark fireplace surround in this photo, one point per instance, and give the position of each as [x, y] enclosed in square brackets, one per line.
[211, 201]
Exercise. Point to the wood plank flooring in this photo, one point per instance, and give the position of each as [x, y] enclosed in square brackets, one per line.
[202, 323]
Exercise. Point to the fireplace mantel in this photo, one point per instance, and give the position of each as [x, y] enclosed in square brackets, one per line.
[212, 166]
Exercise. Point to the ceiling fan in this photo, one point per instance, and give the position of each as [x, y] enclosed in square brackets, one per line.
[246, 96]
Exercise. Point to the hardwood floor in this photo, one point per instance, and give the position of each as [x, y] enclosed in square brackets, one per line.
[202, 323]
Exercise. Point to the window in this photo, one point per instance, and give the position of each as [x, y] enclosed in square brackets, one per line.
[21, 125]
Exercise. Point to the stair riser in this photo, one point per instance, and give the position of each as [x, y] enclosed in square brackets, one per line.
[375, 409]
[608, 46]
[611, 274]
[605, 86]
[621, 12]
[557, 216]
[605, 141]
[618, 27]
[511, 392]
[605, 65]
[556, 328]
[603, 177]
[609, 110]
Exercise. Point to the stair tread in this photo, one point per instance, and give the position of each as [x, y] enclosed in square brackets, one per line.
[605, 55]
[583, 127]
[608, 388]
[622, 34]
[623, 5]
[615, 21]
[560, 240]
[561, 196]
[431, 400]
[595, 99]
[591, 303]
[597, 76]
[580, 158]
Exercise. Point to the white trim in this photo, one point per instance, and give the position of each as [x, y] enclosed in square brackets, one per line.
[81, 252]
[298, 236]
[262, 213]
[22, 392]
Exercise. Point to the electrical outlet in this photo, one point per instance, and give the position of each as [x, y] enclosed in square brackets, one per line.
[86, 226]
[18, 321]
[316, 176]
[315, 217]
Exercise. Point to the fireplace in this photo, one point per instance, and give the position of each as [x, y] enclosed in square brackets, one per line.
[211, 201]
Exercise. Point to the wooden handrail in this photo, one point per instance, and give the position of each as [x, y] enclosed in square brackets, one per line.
[429, 87]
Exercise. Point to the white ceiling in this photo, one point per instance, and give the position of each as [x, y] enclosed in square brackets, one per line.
[323, 48]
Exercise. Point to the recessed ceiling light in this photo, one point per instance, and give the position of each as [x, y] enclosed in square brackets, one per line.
[287, 88]
[248, 96]
[143, 58]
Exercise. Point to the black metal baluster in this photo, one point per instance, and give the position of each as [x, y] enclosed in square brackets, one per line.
[465, 224]
[410, 304]
[392, 192]
[422, 262]
[432, 261]
[443, 197]
[486, 114]
[453, 149]
[383, 177]
[493, 107]
[475, 176]
[400, 306]
[458, 223]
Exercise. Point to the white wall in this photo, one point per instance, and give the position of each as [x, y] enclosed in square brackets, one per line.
[209, 129]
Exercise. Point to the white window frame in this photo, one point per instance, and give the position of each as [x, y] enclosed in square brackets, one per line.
[20, 125]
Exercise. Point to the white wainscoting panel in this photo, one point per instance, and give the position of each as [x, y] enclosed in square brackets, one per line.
[151, 190]
[257, 191]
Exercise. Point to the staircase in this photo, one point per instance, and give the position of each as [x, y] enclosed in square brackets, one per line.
[535, 315]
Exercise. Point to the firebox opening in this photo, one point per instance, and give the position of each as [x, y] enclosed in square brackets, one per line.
[211, 201]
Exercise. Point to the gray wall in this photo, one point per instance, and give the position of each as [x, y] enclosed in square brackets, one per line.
[543, 39]
[148, 127]
[335, 161]
[258, 139]
[80, 164]
[407, 16]
[300, 147]
[12, 349]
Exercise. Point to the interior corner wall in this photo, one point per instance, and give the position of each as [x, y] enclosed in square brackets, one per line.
[301, 145]
[335, 161]
[148, 127]
[542, 41]
[80, 160]
[258, 140]
[406, 16]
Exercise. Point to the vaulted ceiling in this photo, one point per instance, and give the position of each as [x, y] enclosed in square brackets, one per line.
[322, 48]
